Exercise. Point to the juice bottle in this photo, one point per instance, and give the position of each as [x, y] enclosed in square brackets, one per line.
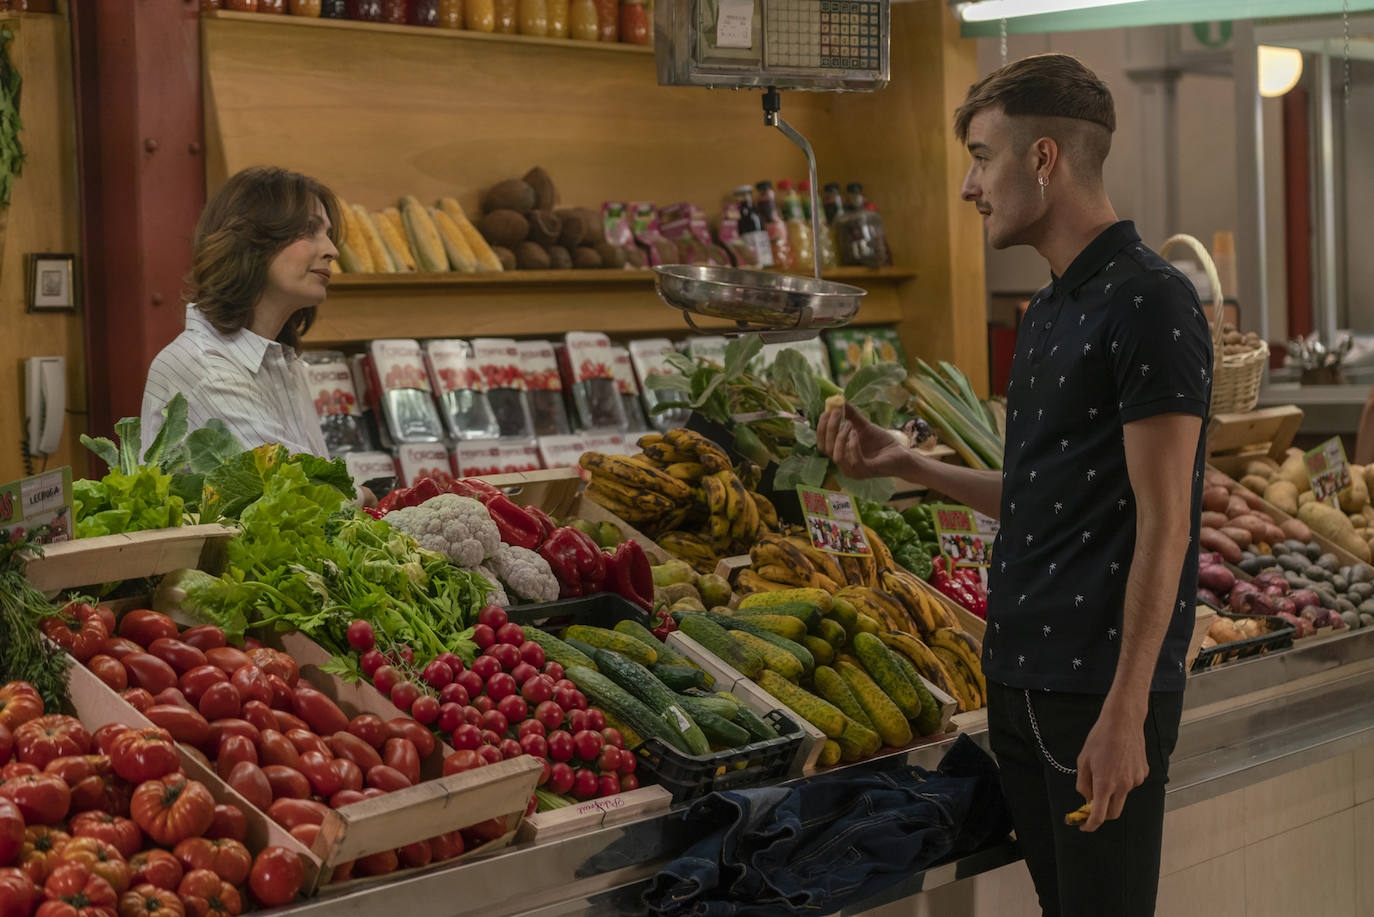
[507, 17]
[450, 14]
[365, 10]
[832, 201]
[608, 20]
[582, 22]
[783, 257]
[558, 18]
[479, 15]
[751, 229]
[828, 257]
[534, 17]
[634, 23]
[798, 229]
[308, 8]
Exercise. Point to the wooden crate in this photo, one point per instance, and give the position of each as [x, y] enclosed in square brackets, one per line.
[1236, 439]
[594, 813]
[1205, 617]
[1279, 516]
[132, 555]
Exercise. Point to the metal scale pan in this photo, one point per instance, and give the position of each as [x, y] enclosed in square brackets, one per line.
[775, 304]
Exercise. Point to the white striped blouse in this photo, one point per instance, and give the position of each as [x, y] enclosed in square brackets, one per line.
[256, 386]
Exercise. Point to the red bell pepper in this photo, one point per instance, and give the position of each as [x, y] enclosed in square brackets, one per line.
[546, 525]
[423, 489]
[628, 575]
[516, 526]
[575, 560]
[663, 623]
[483, 490]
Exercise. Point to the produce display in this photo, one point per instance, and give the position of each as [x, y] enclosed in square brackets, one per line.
[1288, 488]
[95, 823]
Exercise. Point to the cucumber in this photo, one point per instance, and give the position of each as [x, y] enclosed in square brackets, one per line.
[666, 654]
[682, 677]
[548, 800]
[586, 649]
[636, 679]
[558, 651]
[776, 658]
[714, 704]
[807, 611]
[747, 624]
[823, 653]
[676, 718]
[715, 639]
[717, 728]
[605, 639]
[928, 723]
[759, 728]
[617, 702]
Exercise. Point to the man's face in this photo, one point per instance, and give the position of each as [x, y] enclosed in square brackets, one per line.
[1001, 180]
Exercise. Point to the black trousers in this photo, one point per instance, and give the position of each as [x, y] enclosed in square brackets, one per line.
[1114, 871]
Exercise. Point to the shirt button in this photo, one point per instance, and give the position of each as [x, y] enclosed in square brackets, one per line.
[1049, 325]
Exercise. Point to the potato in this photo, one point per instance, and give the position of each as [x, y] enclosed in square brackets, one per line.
[1297, 530]
[1369, 477]
[1264, 468]
[1236, 506]
[1252, 499]
[1334, 525]
[1294, 470]
[1354, 498]
[1215, 499]
[1282, 494]
[1305, 498]
[1213, 540]
[1273, 534]
[1213, 520]
[1213, 478]
[1255, 482]
[1240, 536]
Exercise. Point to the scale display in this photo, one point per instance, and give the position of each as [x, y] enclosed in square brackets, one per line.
[830, 45]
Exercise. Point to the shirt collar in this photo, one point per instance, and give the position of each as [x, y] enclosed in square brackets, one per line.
[245, 347]
[1098, 252]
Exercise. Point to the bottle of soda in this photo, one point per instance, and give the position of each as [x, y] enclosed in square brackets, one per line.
[832, 201]
[751, 229]
[784, 259]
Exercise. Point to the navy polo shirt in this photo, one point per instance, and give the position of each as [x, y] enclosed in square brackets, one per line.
[1120, 337]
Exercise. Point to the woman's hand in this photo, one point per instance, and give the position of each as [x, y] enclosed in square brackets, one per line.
[860, 447]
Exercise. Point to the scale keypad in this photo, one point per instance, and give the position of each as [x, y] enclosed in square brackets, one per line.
[825, 34]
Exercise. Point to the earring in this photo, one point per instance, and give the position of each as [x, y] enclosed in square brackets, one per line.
[1043, 185]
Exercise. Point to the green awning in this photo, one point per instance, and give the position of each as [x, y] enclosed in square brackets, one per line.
[1160, 12]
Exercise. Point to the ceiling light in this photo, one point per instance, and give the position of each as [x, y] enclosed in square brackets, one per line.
[987, 10]
[1279, 70]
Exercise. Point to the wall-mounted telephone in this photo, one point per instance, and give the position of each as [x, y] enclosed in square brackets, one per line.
[45, 400]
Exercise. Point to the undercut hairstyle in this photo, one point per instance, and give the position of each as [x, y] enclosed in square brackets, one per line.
[257, 213]
[1048, 95]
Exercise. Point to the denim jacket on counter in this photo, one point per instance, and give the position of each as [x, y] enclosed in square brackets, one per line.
[830, 841]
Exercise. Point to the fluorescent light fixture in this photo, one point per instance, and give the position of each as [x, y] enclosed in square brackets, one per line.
[988, 10]
[1279, 70]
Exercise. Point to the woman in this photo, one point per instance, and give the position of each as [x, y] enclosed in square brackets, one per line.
[262, 255]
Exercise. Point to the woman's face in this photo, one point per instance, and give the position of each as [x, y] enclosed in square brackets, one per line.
[299, 273]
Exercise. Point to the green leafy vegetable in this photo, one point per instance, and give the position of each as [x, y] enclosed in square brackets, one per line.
[24, 654]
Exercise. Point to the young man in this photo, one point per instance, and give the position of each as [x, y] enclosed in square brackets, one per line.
[1094, 573]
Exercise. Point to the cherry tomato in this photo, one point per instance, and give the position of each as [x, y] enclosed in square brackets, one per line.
[510, 748]
[109, 670]
[172, 808]
[276, 877]
[584, 783]
[511, 634]
[489, 754]
[156, 867]
[560, 745]
[204, 637]
[453, 693]
[425, 710]
[484, 667]
[248, 780]
[370, 662]
[493, 616]
[228, 822]
[507, 655]
[143, 626]
[454, 663]
[471, 682]
[467, 736]
[286, 782]
[553, 670]
[403, 694]
[534, 745]
[361, 636]
[523, 672]
[532, 653]
[385, 678]
[495, 721]
[513, 708]
[183, 657]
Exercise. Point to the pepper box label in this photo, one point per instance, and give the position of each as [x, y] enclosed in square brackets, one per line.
[499, 361]
[369, 466]
[562, 451]
[38, 506]
[452, 367]
[331, 387]
[623, 372]
[649, 357]
[589, 355]
[424, 460]
[966, 536]
[539, 366]
[400, 364]
[833, 523]
[507, 457]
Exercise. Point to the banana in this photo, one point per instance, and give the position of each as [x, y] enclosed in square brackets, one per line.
[902, 586]
[821, 581]
[881, 553]
[684, 544]
[749, 580]
[768, 514]
[966, 648]
[863, 599]
[649, 439]
[650, 501]
[940, 609]
[718, 527]
[691, 472]
[706, 452]
[642, 459]
[635, 474]
[965, 691]
[717, 497]
[853, 573]
[925, 661]
[868, 568]
[780, 574]
[775, 550]
[749, 528]
[824, 562]
[665, 453]
[734, 492]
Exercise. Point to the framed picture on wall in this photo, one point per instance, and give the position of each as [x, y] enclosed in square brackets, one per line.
[51, 282]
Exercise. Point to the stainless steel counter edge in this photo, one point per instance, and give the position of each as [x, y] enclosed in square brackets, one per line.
[1236, 730]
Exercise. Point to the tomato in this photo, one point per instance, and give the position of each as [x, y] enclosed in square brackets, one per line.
[483, 831]
[228, 822]
[276, 663]
[172, 697]
[286, 782]
[183, 657]
[143, 754]
[415, 855]
[248, 780]
[275, 748]
[287, 721]
[156, 867]
[387, 779]
[109, 670]
[78, 629]
[93, 793]
[6, 744]
[119, 647]
[102, 859]
[11, 832]
[195, 682]
[403, 727]
[446, 846]
[315, 765]
[75, 768]
[18, 893]
[172, 808]
[347, 745]
[349, 774]
[385, 678]
[345, 798]
[465, 759]
[276, 877]
[376, 864]
[305, 741]
[283, 698]
[205, 894]
[138, 698]
[306, 833]
[44, 799]
[228, 859]
[204, 637]
[42, 739]
[404, 694]
[76, 884]
[149, 901]
[103, 738]
[232, 726]
[323, 715]
[220, 701]
[17, 769]
[120, 833]
[143, 626]
[401, 754]
[369, 728]
[19, 703]
[185, 725]
[228, 658]
[149, 672]
[291, 812]
[41, 850]
[232, 750]
[259, 714]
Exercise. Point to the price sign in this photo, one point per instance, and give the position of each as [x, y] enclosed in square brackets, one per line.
[1327, 470]
[833, 523]
[966, 536]
[40, 506]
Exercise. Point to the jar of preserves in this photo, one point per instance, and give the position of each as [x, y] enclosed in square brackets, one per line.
[365, 10]
[634, 23]
[311, 9]
[394, 11]
[859, 232]
[534, 17]
[479, 15]
[241, 6]
[507, 16]
[334, 9]
[607, 20]
[450, 14]
[423, 12]
[558, 18]
[205, 5]
[277, 7]
[582, 20]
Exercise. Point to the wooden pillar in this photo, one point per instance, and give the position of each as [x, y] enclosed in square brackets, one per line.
[142, 185]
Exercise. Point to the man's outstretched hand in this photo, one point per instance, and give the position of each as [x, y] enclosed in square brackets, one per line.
[861, 448]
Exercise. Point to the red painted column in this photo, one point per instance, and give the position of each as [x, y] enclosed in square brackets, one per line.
[142, 185]
[1297, 200]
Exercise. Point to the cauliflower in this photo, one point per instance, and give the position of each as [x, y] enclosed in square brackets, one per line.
[497, 595]
[526, 573]
[457, 527]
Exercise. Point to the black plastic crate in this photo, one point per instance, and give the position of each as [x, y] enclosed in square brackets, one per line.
[1280, 637]
[685, 776]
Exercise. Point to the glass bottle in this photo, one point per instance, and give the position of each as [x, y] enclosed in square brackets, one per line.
[450, 14]
[832, 201]
[798, 229]
[608, 20]
[310, 9]
[582, 20]
[783, 256]
[558, 18]
[859, 232]
[423, 12]
[479, 15]
[634, 23]
[507, 17]
[751, 230]
[828, 257]
[334, 9]
[276, 7]
[394, 11]
[365, 10]
[534, 17]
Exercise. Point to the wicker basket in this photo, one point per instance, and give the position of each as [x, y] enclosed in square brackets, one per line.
[1235, 378]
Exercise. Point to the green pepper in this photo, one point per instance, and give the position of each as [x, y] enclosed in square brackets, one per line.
[914, 557]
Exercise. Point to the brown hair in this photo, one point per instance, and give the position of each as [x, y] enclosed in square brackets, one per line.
[1045, 86]
[257, 213]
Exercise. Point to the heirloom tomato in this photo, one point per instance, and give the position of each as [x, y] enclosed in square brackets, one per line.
[78, 629]
[156, 867]
[226, 858]
[172, 808]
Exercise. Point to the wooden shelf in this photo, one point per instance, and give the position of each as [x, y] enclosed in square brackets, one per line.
[526, 303]
[274, 21]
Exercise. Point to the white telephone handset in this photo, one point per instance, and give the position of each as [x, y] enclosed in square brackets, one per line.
[45, 383]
